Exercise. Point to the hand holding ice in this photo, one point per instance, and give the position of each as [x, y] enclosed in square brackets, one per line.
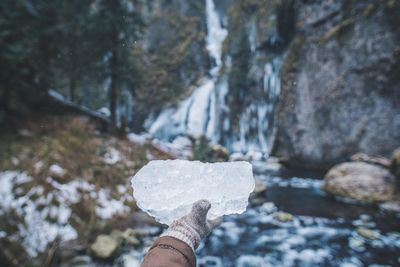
[166, 189]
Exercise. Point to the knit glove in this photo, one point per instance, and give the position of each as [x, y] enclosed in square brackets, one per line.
[192, 228]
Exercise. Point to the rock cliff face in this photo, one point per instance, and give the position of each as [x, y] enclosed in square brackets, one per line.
[257, 36]
[340, 90]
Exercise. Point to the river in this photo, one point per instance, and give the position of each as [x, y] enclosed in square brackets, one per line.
[323, 231]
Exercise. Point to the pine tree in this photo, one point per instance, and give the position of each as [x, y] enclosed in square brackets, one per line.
[118, 25]
[74, 57]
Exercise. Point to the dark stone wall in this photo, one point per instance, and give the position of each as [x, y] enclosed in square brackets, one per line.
[340, 78]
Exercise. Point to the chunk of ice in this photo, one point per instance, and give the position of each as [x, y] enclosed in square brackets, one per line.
[166, 189]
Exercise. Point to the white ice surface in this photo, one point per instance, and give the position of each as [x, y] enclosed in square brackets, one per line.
[197, 115]
[167, 189]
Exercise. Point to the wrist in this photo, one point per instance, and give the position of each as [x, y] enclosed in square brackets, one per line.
[185, 233]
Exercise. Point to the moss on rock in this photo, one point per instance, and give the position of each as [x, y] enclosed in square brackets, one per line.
[360, 181]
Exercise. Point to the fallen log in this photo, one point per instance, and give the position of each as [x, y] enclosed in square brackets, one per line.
[59, 100]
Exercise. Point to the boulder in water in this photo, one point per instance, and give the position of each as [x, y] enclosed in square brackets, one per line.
[220, 152]
[104, 246]
[367, 233]
[283, 216]
[360, 181]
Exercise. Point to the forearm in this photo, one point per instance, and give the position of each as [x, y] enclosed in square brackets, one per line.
[175, 248]
[169, 251]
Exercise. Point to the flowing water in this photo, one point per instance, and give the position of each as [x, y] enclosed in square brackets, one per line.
[323, 231]
[196, 115]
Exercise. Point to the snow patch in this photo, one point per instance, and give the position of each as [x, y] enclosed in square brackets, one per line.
[107, 207]
[112, 156]
[35, 232]
[140, 139]
[56, 169]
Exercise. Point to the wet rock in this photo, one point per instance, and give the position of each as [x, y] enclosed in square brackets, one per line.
[104, 246]
[367, 233]
[360, 181]
[220, 152]
[257, 196]
[382, 161]
[283, 216]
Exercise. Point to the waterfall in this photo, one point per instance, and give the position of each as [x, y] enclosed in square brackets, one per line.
[256, 122]
[205, 111]
[196, 115]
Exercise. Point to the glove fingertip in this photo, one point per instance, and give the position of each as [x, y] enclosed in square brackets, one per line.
[201, 206]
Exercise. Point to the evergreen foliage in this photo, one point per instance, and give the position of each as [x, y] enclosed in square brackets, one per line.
[78, 47]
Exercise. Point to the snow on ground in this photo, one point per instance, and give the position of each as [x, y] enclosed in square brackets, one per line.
[107, 207]
[140, 139]
[112, 156]
[35, 231]
[57, 170]
[45, 214]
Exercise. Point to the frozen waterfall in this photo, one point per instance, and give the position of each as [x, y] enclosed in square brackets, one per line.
[196, 115]
[256, 121]
[206, 112]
